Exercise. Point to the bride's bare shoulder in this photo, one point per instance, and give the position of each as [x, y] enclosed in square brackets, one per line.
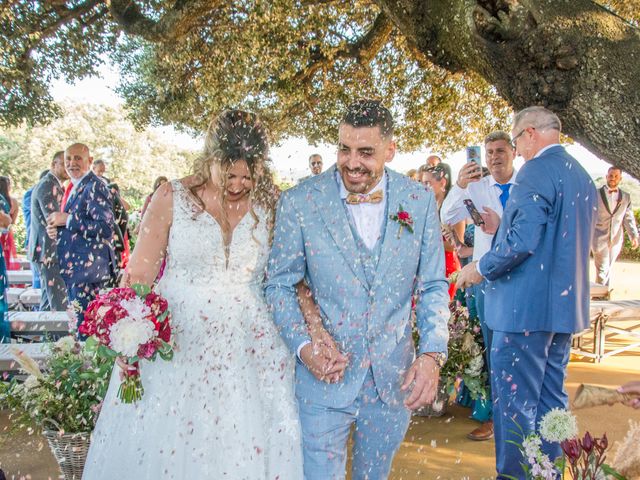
[190, 181]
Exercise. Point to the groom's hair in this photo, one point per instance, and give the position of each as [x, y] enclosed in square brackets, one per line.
[369, 113]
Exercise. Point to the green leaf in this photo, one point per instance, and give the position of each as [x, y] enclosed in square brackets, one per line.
[610, 471]
[161, 318]
[91, 344]
[141, 290]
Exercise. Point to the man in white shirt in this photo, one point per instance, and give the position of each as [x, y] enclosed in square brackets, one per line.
[615, 215]
[487, 193]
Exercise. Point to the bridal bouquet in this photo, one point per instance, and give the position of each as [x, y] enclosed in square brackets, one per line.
[129, 324]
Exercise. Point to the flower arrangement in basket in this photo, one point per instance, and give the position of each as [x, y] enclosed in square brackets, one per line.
[582, 457]
[129, 324]
[65, 391]
[465, 357]
[464, 362]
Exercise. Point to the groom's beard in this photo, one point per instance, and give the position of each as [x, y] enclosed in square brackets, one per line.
[364, 183]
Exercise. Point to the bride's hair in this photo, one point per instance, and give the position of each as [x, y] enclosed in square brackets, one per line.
[232, 136]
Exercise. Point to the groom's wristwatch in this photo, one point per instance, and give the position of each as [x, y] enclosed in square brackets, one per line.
[438, 357]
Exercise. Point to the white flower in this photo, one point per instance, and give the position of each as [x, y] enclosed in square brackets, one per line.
[558, 425]
[65, 344]
[136, 308]
[475, 366]
[129, 333]
[31, 382]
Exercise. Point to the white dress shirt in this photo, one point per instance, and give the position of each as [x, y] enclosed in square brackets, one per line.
[483, 193]
[367, 217]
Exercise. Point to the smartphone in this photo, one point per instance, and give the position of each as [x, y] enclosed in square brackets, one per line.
[473, 155]
[473, 211]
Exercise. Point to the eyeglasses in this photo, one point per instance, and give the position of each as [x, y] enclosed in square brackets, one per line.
[316, 164]
[552, 125]
[515, 139]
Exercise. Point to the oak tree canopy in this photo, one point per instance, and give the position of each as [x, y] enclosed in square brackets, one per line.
[451, 70]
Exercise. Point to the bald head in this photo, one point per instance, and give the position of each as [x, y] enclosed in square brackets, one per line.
[77, 161]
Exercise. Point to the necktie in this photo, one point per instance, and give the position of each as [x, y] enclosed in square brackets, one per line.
[65, 196]
[504, 196]
[358, 198]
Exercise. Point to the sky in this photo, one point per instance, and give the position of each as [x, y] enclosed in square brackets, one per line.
[291, 157]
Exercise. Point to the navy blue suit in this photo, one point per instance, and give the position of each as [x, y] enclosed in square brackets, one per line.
[85, 244]
[537, 295]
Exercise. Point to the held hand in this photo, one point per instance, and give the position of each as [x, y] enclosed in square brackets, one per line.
[324, 362]
[633, 388]
[491, 221]
[124, 367]
[468, 276]
[469, 173]
[463, 251]
[52, 232]
[424, 375]
[324, 343]
[57, 219]
[635, 243]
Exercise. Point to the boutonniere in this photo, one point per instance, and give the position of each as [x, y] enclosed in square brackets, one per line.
[404, 219]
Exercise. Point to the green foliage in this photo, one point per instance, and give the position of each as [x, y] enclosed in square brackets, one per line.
[134, 158]
[66, 395]
[298, 64]
[627, 252]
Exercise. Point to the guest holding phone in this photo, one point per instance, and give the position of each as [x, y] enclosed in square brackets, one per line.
[488, 194]
[438, 179]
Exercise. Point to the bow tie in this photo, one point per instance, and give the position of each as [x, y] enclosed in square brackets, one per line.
[613, 191]
[358, 198]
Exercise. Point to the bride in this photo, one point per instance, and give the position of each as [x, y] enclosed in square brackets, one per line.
[224, 407]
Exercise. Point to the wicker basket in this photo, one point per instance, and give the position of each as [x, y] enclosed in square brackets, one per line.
[70, 451]
[437, 408]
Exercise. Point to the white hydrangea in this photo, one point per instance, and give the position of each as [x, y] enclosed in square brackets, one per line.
[129, 333]
[136, 308]
[475, 366]
[65, 344]
[558, 425]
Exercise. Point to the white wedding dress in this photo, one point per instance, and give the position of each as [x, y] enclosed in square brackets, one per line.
[224, 407]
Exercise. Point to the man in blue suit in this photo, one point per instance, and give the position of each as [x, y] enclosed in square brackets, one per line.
[538, 290]
[84, 231]
[365, 240]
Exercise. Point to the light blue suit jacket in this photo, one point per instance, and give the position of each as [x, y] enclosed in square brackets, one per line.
[538, 265]
[313, 241]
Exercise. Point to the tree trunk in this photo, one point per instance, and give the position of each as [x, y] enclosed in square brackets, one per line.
[572, 56]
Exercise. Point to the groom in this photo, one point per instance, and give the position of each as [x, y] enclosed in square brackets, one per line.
[365, 239]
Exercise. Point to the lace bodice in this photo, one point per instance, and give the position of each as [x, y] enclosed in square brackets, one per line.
[196, 251]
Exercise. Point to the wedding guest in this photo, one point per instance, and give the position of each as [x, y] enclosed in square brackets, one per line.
[5, 327]
[10, 206]
[486, 192]
[538, 283]
[84, 231]
[26, 214]
[634, 389]
[413, 174]
[615, 216]
[315, 165]
[99, 168]
[42, 251]
[433, 160]
[438, 180]
[157, 183]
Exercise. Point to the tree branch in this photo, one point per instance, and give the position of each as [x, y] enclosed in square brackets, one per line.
[175, 23]
[363, 50]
